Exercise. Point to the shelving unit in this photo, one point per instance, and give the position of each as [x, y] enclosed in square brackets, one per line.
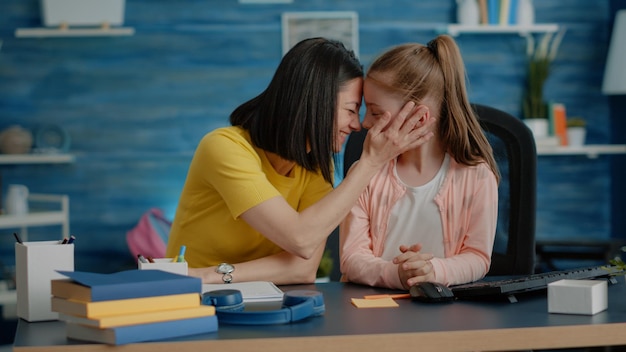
[46, 217]
[585, 249]
[457, 29]
[7, 159]
[53, 209]
[42, 32]
[591, 150]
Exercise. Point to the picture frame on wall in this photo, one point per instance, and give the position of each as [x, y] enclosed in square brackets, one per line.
[338, 25]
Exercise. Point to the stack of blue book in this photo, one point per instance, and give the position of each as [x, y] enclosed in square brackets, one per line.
[131, 306]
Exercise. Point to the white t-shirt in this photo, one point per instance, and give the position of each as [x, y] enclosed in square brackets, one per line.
[415, 218]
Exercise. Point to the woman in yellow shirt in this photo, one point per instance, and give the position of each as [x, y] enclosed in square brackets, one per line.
[258, 201]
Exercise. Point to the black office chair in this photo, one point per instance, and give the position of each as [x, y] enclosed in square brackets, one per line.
[515, 153]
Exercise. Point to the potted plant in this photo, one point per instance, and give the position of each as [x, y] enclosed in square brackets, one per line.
[534, 106]
[617, 265]
[576, 131]
[325, 267]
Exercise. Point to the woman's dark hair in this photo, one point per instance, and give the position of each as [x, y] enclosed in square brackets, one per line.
[295, 116]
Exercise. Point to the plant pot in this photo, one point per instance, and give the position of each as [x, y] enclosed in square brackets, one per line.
[538, 126]
[576, 136]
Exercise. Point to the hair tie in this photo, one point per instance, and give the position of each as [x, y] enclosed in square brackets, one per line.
[432, 46]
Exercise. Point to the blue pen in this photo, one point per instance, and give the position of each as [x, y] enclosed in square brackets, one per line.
[71, 240]
[181, 254]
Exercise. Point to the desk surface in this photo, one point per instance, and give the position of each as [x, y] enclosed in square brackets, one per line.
[460, 325]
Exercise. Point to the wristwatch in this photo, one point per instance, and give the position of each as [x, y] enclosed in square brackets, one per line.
[227, 272]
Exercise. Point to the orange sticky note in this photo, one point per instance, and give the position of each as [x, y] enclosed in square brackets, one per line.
[374, 303]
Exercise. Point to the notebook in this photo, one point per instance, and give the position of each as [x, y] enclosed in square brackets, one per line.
[251, 292]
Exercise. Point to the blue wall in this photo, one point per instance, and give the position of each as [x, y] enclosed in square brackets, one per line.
[136, 106]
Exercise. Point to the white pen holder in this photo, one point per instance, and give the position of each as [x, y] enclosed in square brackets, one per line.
[165, 264]
[35, 266]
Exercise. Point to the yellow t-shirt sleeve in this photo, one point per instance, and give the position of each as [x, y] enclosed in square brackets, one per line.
[232, 166]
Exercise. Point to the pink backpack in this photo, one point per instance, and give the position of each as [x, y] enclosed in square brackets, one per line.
[149, 237]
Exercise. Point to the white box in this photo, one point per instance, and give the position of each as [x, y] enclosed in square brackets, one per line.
[35, 266]
[165, 264]
[82, 12]
[577, 296]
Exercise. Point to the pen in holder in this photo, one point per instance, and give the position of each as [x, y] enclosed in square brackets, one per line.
[165, 264]
[35, 266]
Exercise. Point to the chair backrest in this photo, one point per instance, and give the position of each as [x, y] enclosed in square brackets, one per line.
[515, 153]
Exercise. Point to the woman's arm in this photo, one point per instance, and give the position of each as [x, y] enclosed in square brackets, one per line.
[282, 269]
[301, 233]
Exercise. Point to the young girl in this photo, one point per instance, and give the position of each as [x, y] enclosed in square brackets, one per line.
[430, 214]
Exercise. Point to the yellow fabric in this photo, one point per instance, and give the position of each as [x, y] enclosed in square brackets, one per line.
[228, 176]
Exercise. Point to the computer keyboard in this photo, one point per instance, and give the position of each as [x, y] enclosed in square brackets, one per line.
[533, 282]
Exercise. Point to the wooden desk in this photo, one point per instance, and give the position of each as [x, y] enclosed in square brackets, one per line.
[461, 325]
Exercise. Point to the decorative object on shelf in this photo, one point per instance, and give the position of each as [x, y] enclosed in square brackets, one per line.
[79, 18]
[16, 202]
[51, 139]
[499, 12]
[339, 25]
[525, 13]
[539, 58]
[614, 82]
[557, 115]
[15, 140]
[538, 126]
[467, 12]
[65, 13]
[576, 131]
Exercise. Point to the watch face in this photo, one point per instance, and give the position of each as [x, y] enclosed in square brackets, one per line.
[225, 268]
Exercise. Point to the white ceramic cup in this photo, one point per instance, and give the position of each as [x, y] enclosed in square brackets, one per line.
[16, 202]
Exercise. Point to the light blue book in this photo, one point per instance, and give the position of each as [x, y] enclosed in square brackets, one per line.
[513, 11]
[493, 11]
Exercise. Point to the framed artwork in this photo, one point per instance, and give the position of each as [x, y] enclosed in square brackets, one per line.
[338, 25]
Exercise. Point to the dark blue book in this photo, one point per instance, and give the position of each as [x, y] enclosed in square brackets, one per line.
[95, 287]
[143, 332]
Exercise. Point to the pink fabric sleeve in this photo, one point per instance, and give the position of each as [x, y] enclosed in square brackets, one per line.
[359, 264]
[471, 255]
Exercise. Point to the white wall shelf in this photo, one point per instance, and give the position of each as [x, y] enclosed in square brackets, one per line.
[54, 208]
[457, 29]
[590, 150]
[59, 216]
[8, 159]
[43, 32]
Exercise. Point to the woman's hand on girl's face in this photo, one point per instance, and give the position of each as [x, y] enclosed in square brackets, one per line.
[388, 137]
